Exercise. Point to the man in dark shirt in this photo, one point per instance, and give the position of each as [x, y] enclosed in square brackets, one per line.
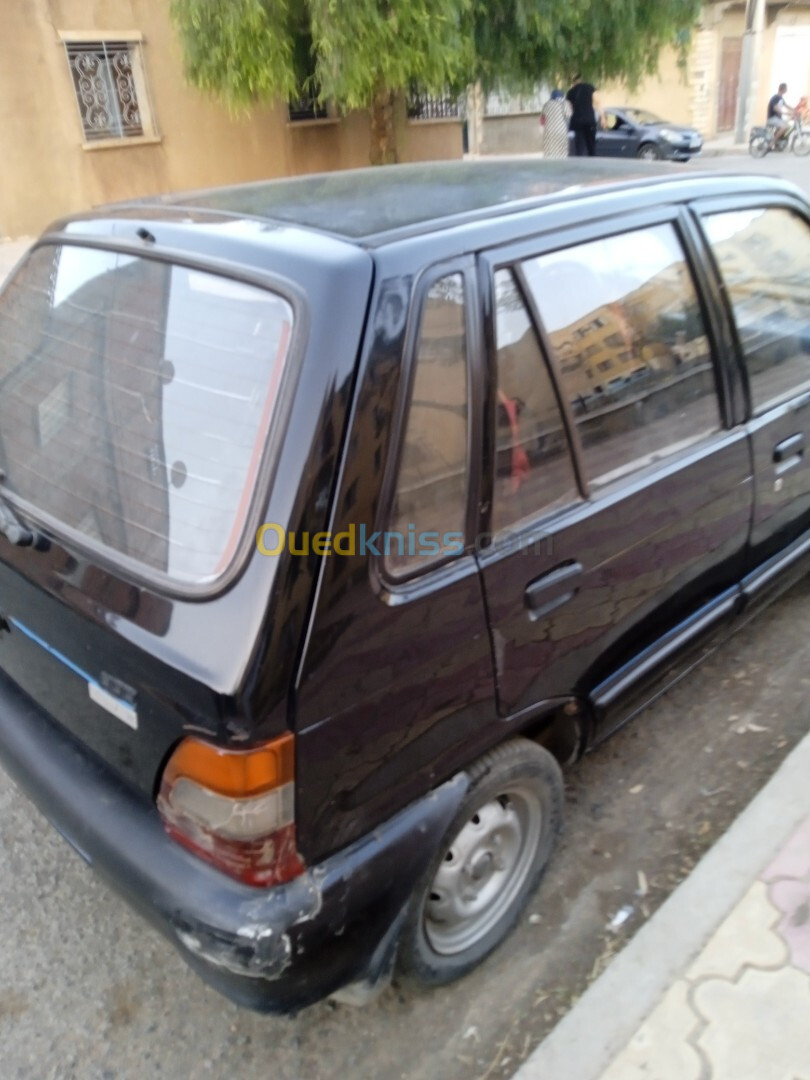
[583, 117]
[778, 108]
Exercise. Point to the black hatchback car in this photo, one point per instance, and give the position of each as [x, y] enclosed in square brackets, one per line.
[338, 513]
[630, 132]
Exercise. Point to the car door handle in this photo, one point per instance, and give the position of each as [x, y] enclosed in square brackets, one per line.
[789, 451]
[552, 590]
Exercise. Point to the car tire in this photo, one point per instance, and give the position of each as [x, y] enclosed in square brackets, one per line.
[649, 152]
[759, 146]
[801, 144]
[488, 865]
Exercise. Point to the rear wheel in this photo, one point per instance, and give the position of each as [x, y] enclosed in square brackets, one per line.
[649, 152]
[801, 144]
[490, 862]
[758, 147]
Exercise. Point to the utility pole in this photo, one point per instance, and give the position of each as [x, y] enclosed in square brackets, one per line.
[749, 67]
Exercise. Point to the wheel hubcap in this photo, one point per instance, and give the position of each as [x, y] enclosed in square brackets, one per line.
[483, 871]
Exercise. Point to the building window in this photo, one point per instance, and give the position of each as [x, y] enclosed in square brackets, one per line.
[110, 90]
[307, 108]
[423, 106]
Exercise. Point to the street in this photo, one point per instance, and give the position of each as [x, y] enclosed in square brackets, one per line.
[785, 165]
[88, 990]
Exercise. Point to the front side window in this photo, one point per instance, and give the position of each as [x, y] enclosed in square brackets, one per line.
[427, 523]
[624, 323]
[135, 401]
[764, 257]
[533, 470]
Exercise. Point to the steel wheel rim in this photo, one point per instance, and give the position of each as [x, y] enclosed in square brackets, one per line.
[648, 153]
[801, 144]
[483, 870]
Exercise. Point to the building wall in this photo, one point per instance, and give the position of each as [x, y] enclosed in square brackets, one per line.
[666, 93]
[47, 172]
[519, 133]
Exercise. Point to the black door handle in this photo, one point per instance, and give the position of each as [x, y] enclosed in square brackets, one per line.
[552, 590]
[792, 447]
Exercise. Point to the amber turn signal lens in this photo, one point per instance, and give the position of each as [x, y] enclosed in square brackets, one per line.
[238, 773]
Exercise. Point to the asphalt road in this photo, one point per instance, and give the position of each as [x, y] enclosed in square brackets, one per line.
[785, 165]
[87, 990]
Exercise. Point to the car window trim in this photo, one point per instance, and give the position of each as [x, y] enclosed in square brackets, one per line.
[702, 208]
[119, 564]
[488, 455]
[512, 256]
[733, 388]
[395, 588]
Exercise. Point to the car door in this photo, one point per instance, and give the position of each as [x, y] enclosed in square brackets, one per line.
[617, 137]
[396, 685]
[620, 486]
[762, 251]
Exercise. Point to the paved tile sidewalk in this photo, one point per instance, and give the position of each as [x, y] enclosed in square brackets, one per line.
[741, 1011]
[716, 986]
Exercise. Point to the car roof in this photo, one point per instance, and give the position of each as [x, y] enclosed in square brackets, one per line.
[365, 205]
[375, 207]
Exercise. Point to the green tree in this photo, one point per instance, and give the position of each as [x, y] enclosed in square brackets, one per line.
[357, 53]
[518, 42]
[362, 54]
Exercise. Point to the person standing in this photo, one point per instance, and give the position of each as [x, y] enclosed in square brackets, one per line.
[554, 118]
[583, 117]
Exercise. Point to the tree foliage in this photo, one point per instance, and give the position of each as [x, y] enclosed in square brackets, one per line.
[361, 53]
[517, 42]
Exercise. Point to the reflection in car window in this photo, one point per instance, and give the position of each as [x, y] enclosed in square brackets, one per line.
[623, 318]
[533, 469]
[431, 492]
[641, 116]
[764, 257]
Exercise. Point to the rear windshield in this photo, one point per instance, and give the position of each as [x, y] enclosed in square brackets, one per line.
[135, 400]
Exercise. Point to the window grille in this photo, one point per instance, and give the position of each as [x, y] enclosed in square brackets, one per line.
[104, 84]
[423, 106]
[307, 108]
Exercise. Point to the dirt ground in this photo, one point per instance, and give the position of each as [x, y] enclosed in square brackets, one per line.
[87, 990]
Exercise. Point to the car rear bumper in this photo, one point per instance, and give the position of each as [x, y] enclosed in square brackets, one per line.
[274, 950]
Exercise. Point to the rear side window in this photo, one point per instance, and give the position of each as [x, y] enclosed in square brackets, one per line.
[533, 470]
[764, 257]
[135, 399]
[625, 326]
[427, 523]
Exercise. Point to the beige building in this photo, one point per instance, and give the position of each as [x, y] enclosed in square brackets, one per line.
[704, 93]
[94, 108]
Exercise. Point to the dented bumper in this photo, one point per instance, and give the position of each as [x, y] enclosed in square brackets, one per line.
[275, 950]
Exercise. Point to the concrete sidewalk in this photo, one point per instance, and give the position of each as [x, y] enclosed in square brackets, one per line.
[716, 986]
[724, 144]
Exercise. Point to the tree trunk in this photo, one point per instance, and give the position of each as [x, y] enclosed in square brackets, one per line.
[383, 150]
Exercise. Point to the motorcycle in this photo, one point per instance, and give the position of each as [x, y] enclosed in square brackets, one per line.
[763, 140]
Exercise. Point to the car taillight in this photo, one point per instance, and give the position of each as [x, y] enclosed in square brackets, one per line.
[234, 808]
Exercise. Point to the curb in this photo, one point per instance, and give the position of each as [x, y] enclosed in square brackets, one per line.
[588, 1038]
